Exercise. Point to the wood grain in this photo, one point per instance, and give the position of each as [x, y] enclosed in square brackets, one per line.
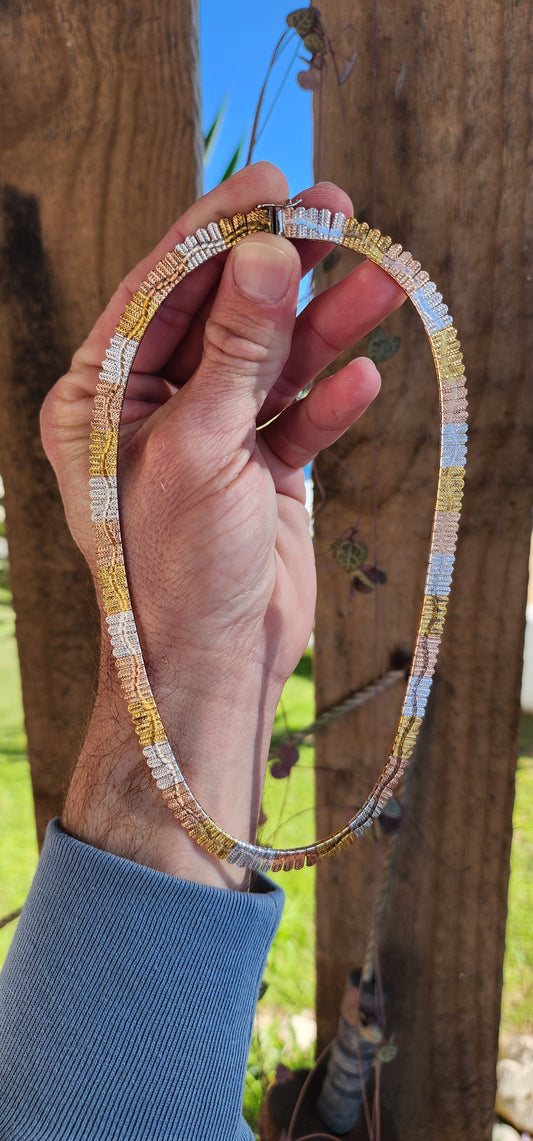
[452, 162]
[101, 151]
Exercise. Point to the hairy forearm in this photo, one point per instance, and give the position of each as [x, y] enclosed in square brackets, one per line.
[114, 804]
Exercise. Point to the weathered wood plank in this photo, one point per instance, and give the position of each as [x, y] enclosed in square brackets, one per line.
[453, 184]
[101, 150]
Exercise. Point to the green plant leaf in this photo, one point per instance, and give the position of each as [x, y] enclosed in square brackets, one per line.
[234, 161]
[212, 132]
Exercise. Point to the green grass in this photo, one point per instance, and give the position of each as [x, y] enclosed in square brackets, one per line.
[290, 971]
[517, 1000]
[18, 843]
[291, 965]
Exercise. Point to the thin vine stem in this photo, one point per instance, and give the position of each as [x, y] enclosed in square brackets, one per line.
[259, 107]
[303, 1091]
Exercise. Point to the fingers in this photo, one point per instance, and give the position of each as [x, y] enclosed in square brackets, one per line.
[246, 342]
[323, 196]
[332, 322]
[187, 355]
[258, 183]
[332, 406]
[173, 343]
[244, 190]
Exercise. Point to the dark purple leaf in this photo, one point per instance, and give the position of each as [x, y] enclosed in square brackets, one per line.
[287, 758]
[391, 818]
[376, 577]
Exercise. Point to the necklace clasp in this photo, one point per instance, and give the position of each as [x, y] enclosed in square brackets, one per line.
[275, 213]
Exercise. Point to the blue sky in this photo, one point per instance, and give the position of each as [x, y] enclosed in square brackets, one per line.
[236, 43]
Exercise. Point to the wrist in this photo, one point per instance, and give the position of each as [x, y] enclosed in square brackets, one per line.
[220, 737]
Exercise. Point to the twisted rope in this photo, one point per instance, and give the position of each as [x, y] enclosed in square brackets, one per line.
[328, 717]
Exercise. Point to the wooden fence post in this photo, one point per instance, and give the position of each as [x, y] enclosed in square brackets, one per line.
[101, 149]
[444, 167]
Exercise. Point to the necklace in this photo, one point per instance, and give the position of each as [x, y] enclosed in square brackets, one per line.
[291, 221]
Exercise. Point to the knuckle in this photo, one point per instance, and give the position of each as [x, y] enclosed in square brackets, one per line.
[226, 347]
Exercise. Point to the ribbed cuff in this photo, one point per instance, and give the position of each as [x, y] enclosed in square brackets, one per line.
[127, 1001]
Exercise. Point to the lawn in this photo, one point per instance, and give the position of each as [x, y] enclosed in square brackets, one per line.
[18, 845]
[517, 1003]
[284, 1024]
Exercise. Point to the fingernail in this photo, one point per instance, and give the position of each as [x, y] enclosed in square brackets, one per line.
[261, 272]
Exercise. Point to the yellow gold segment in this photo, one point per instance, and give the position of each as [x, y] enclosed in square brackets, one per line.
[213, 839]
[233, 229]
[147, 722]
[114, 588]
[376, 246]
[200, 827]
[103, 449]
[359, 237]
[447, 353]
[354, 233]
[450, 489]
[336, 843]
[193, 818]
[433, 615]
[405, 739]
[345, 841]
[258, 221]
[137, 316]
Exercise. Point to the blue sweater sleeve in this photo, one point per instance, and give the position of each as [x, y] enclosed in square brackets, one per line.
[127, 1001]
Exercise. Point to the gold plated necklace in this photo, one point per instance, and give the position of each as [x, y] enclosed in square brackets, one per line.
[294, 222]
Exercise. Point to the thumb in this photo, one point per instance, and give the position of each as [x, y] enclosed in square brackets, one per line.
[247, 340]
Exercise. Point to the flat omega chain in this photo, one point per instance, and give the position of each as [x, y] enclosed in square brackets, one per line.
[295, 222]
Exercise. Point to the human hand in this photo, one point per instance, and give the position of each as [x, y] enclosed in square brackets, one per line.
[215, 532]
